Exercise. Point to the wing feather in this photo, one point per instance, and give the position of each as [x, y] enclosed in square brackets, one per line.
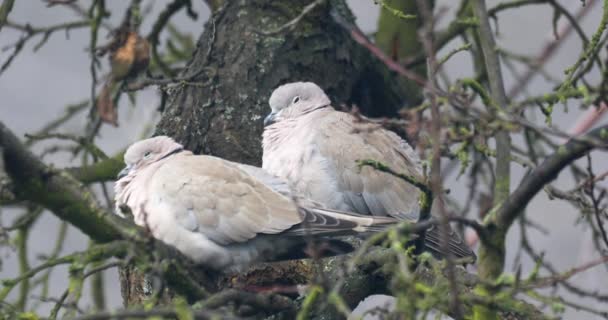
[227, 203]
[319, 222]
[366, 189]
[370, 191]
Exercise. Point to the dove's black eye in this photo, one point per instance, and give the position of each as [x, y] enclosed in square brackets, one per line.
[147, 154]
[296, 99]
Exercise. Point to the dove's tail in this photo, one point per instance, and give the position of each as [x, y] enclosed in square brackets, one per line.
[322, 228]
[456, 246]
[322, 231]
[319, 222]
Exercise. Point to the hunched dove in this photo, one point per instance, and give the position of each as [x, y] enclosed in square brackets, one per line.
[316, 148]
[226, 215]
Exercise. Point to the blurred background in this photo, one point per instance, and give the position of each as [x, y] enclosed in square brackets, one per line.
[40, 85]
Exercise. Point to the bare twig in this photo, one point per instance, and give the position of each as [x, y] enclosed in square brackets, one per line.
[159, 25]
[267, 302]
[51, 3]
[289, 26]
[550, 48]
[544, 173]
[81, 141]
[31, 32]
[360, 38]
[425, 36]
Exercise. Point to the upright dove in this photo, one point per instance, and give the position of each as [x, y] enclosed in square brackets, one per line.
[316, 148]
[226, 215]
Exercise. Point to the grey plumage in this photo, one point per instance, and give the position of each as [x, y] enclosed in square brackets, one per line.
[316, 148]
[223, 214]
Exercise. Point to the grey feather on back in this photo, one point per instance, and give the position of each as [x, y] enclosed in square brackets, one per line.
[316, 149]
[277, 184]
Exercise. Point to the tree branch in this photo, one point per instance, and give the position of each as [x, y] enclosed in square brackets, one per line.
[374, 272]
[61, 193]
[69, 200]
[534, 181]
[497, 91]
[104, 170]
[492, 252]
[5, 9]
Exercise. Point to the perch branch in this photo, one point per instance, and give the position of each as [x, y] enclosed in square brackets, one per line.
[545, 173]
[66, 197]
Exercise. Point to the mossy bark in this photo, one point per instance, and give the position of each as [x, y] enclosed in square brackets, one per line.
[398, 37]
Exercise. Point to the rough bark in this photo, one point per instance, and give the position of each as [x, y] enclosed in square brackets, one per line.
[239, 67]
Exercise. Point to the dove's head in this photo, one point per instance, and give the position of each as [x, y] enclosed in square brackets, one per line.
[145, 152]
[295, 99]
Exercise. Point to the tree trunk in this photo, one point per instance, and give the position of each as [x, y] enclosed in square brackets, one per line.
[239, 67]
[220, 111]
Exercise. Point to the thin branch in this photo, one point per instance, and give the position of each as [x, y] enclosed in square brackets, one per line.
[5, 9]
[550, 48]
[266, 302]
[589, 52]
[497, 91]
[425, 36]
[101, 171]
[159, 25]
[31, 32]
[491, 255]
[104, 250]
[559, 278]
[360, 38]
[81, 141]
[463, 23]
[50, 3]
[289, 26]
[534, 181]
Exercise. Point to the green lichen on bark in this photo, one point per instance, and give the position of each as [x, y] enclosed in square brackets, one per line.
[104, 170]
[490, 262]
[397, 35]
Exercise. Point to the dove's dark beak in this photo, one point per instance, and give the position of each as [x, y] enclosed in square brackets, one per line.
[124, 172]
[270, 119]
